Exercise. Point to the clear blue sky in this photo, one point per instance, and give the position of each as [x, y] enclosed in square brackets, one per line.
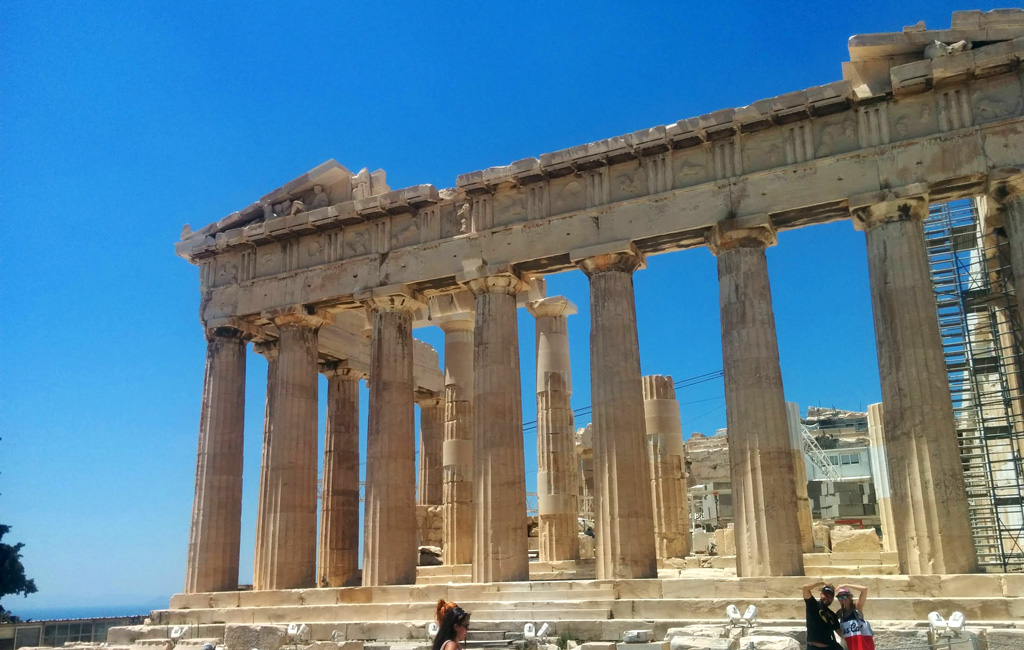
[123, 121]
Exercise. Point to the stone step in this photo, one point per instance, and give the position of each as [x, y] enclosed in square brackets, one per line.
[711, 585]
[543, 615]
[910, 607]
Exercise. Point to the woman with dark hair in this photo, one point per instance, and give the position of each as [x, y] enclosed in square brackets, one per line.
[856, 631]
[453, 623]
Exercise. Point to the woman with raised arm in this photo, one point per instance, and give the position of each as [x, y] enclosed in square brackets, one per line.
[856, 631]
[453, 624]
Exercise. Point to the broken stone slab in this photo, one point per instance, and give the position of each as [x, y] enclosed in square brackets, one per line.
[705, 631]
[254, 637]
[701, 643]
[638, 636]
[154, 644]
[335, 645]
[598, 645]
[754, 642]
[654, 645]
[846, 539]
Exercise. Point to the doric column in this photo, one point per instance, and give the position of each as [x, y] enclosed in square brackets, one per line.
[431, 441]
[556, 456]
[217, 508]
[928, 495]
[763, 483]
[286, 524]
[623, 518]
[389, 523]
[667, 466]
[1007, 188]
[499, 477]
[880, 475]
[457, 451]
[803, 502]
[269, 350]
[338, 556]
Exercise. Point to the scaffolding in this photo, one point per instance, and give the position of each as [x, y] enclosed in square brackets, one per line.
[981, 338]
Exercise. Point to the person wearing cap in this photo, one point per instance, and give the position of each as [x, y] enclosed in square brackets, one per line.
[822, 622]
[855, 630]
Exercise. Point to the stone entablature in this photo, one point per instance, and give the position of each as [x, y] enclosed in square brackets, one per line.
[797, 158]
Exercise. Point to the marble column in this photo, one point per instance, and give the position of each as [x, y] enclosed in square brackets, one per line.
[928, 494]
[623, 517]
[269, 351]
[389, 523]
[880, 475]
[457, 450]
[1008, 193]
[338, 556]
[763, 482]
[217, 509]
[499, 476]
[287, 519]
[431, 442]
[667, 462]
[558, 537]
[803, 502]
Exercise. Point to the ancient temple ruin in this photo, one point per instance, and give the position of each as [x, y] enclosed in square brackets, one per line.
[332, 272]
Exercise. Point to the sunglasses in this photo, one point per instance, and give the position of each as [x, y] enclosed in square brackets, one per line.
[843, 597]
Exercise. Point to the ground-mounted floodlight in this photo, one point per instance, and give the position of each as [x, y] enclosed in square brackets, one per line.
[951, 629]
[179, 632]
[298, 632]
[732, 613]
[529, 631]
[543, 631]
[432, 630]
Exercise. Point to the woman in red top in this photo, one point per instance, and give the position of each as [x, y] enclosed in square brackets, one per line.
[856, 631]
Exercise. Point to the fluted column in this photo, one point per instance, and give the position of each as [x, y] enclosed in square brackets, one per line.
[286, 525]
[431, 442]
[556, 455]
[217, 509]
[880, 475]
[499, 477]
[389, 524]
[763, 484]
[667, 463]
[1008, 192]
[623, 517]
[338, 556]
[803, 503]
[457, 451]
[928, 495]
[269, 350]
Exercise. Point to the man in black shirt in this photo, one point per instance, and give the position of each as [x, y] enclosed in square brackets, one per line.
[822, 622]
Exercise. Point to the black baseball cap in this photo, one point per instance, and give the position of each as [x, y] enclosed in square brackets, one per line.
[828, 589]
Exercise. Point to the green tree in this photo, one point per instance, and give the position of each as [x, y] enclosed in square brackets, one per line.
[12, 574]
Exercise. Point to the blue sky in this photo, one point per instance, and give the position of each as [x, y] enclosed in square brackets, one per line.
[123, 121]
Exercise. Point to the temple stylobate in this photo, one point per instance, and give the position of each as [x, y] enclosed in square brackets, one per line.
[333, 271]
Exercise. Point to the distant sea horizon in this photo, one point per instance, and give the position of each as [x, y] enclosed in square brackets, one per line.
[141, 607]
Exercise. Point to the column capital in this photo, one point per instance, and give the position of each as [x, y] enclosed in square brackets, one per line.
[266, 347]
[396, 297]
[464, 323]
[340, 369]
[1006, 184]
[551, 307]
[230, 328]
[510, 283]
[621, 256]
[298, 316]
[897, 204]
[754, 231]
